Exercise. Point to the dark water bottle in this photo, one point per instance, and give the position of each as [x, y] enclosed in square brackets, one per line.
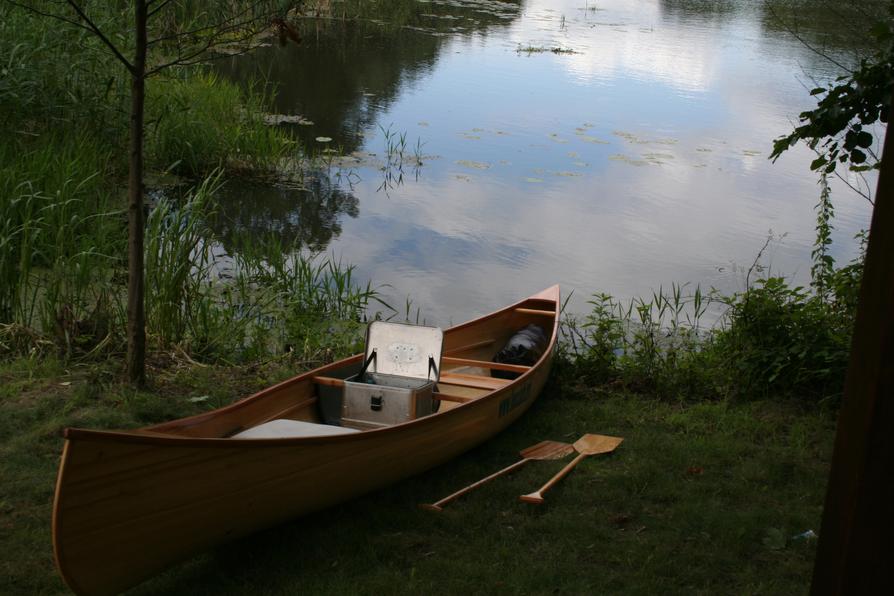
[525, 348]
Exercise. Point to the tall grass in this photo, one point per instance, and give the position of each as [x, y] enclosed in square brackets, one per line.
[177, 261]
[655, 344]
[259, 300]
[58, 75]
[202, 122]
[63, 120]
[60, 237]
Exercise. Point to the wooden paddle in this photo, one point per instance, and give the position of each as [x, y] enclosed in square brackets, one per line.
[586, 445]
[540, 451]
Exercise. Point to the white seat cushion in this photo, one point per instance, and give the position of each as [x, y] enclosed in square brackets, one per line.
[282, 428]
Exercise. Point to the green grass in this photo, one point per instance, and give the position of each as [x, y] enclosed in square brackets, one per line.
[700, 498]
[201, 122]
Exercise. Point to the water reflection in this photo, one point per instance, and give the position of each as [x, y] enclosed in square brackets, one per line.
[637, 159]
[346, 73]
[308, 216]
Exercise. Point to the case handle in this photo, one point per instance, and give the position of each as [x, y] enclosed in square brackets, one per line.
[373, 356]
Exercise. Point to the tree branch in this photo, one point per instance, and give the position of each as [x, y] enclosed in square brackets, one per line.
[50, 15]
[810, 47]
[157, 8]
[220, 27]
[91, 26]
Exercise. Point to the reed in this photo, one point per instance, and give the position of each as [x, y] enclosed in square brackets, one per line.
[177, 261]
[306, 302]
[653, 344]
[201, 122]
[59, 234]
[255, 301]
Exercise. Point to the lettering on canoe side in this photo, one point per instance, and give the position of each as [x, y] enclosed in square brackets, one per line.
[519, 395]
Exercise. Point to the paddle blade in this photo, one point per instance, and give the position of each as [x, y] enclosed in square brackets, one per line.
[596, 444]
[547, 450]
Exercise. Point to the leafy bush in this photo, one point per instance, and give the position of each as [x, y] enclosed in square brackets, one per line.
[783, 340]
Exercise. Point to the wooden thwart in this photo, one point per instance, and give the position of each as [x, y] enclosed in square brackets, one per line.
[460, 399]
[478, 381]
[519, 368]
[586, 445]
[540, 451]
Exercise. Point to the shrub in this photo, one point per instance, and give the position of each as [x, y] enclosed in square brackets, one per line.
[784, 340]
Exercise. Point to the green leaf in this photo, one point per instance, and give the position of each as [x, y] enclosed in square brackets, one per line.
[864, 139]
[817, 91]
[818, 163]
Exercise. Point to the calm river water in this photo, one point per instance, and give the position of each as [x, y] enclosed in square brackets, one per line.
[612, 146]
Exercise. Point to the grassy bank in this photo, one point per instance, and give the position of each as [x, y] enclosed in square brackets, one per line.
[701, 498]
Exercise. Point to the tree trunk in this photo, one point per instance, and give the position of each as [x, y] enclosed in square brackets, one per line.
[856, 547]
[136, 316]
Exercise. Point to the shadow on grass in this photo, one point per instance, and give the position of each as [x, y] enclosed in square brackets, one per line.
[700, 498]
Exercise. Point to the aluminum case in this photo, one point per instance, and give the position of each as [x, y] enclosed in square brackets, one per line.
[402, 366]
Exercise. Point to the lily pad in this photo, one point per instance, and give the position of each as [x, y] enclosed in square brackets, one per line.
[628, 160]
[478, 165]
[591, 139]
[274, 119]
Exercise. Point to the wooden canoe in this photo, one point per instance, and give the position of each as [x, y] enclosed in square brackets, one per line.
[131, 503]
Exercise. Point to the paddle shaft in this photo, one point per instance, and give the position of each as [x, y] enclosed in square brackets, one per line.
[438, 505]
[562, 473]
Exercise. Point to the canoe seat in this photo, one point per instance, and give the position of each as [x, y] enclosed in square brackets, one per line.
[282, 429]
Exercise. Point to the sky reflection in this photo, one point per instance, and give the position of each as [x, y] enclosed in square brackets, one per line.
[636, 161]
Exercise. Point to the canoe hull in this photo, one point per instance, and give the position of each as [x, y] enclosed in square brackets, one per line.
[129, 505]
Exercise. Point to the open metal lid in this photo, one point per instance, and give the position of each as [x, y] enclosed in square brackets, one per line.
[404, 350]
